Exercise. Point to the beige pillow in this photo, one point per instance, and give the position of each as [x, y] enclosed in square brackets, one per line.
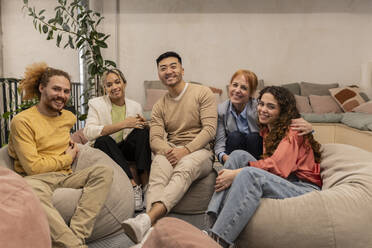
[152, 96]
[302, 104]
[348, 97]
[364, 108]
[324, 104]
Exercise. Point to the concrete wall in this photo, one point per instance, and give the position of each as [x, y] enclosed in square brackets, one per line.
[23, 45]
[281, 40]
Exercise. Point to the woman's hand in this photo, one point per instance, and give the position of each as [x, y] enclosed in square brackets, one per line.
[225, 157]
[303, 127]
[134, 122]
[224, 179]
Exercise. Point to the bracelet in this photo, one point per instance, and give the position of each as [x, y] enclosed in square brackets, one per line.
[312, 131]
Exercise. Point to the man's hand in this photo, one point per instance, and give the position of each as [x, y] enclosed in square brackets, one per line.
[72, 150]
[302, 126]
[224, 179]
[174, 155]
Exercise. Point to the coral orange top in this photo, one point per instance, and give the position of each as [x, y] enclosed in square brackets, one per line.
[293, 155]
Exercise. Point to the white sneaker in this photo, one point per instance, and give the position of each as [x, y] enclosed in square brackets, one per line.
[136, 228]
[138, 204]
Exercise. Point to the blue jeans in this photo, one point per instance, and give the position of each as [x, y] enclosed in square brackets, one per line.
[235, 206]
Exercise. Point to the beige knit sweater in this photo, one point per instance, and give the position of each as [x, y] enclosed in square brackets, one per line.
[191, 121]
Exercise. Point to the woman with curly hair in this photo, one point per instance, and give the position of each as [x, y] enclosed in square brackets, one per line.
[289, 167]
[237, 126]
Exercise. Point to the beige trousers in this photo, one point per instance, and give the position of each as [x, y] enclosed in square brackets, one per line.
[168, 184]
[95, 182]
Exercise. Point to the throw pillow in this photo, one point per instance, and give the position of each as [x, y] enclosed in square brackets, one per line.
[324, 104]
[292, 87]
[176, 233]
[364, 108]
[152, 96]
[302, 104]
[364, 96]
[308, 89]
[347, 97]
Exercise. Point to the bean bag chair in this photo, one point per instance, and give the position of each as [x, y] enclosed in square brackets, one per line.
[119, 204]
[23, 221]
[340, 215]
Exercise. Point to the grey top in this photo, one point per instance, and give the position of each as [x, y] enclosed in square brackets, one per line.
[227, 123]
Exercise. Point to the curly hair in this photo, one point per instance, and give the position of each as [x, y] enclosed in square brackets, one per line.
[288, 111]
[36, 74]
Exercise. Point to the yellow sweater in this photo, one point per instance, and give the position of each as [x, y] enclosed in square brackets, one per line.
[191, 121]
[38, 142]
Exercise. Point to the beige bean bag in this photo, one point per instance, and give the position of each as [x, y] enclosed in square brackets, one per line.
[196, 199]
[119, 205]
[338, 216]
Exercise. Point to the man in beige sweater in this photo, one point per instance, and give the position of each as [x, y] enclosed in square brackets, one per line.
[183, 124]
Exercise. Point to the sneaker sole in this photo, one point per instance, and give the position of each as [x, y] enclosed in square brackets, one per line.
[130, 232]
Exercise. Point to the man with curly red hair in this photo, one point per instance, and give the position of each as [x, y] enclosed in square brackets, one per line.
[43, 152]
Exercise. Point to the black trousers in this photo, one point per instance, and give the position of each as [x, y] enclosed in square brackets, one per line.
[136, 147]
[251, 143]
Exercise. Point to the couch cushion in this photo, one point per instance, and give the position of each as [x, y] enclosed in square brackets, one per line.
[119, 205]
[293, 87]
[152, 96]
[357, 120]
[23, 221]
[338, 216]
[324, 104]
[348, 97]
[328, 117]
[308, 89]
[364, 108]
[303, 104]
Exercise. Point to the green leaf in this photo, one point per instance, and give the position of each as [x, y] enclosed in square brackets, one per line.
[83, 117]
[25, 1]
[45, 29]
[41, 11]
[59, 38]
[50, 35]
[110, 62]
[101, 44]
[41, 18]
[65, 45]
[99, 60]
[70, 42]
[51, 21]
[100, 35]
[40, 28]
[80, 42]
[66, 27]
[106, 37]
